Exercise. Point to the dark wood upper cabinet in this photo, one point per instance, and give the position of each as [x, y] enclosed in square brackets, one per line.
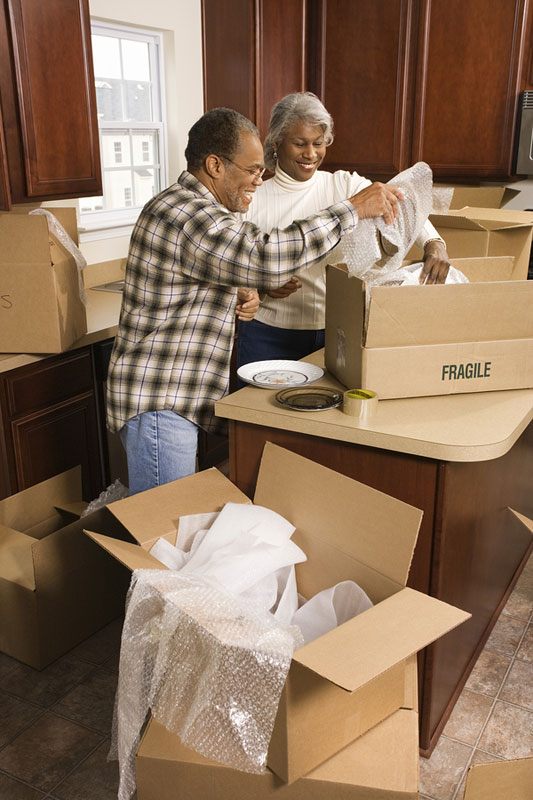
[363, 72]
[470, 61]
[405, 80]
[253, 54]
[48, 100]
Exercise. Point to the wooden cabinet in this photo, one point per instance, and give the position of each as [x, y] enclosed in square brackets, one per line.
[405, 80]
[50, 126]
[49, 423]
[254, 54]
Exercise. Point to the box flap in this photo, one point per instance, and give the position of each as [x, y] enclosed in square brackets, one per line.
[450, 313]
[500, 780]
[367, 525]
[155, 513]
[371, 643]
[30, 507]
[494, 218]
[16, 558]
[24, 239]
[480, 196]
[525, 520]
[455, 219]
[131, 555]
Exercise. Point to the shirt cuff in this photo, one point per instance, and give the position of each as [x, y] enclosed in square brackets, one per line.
[347, 216]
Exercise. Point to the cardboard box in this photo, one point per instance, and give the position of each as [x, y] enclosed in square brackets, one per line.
[431, 340]
[347, 681]
[500, 780]
[479, 196]
[40, 306]
[382, 765]
[481, 232]
[56, 587]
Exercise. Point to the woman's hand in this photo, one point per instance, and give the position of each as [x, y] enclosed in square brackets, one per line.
[247, 304]
[287, 289]
[436, 263]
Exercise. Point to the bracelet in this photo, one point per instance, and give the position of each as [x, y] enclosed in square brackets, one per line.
[435, 239]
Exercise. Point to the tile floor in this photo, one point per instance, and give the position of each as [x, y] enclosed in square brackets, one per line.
[55, 724]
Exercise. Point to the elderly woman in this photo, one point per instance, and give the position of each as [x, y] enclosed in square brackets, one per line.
[290, 322]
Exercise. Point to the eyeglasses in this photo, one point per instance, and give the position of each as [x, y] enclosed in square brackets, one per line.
[257, 172]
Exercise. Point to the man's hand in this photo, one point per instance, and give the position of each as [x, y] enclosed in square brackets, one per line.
[436, 263]
[378, 200]
[247, 304]
[288, 288]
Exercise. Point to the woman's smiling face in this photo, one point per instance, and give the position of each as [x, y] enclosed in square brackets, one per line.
[301, 150]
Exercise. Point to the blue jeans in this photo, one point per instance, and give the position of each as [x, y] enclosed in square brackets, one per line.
[160, 446]
[259, 342]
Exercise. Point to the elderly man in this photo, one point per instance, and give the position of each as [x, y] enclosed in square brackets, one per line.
[190, 262]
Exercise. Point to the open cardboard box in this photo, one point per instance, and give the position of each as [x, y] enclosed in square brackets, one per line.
[56, 587]
[40, 306]
[345, 682]
[479, 196]
[432, 340]
[480, 232]
[382, 765]
[500, 780]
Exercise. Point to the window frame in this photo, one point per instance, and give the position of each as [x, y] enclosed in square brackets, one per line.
[117, 222]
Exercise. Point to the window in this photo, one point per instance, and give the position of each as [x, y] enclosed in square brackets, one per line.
[128, 78]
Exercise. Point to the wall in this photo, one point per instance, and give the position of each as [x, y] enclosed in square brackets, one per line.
[180, 21]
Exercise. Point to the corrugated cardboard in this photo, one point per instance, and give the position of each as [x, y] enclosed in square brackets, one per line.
[484, 232]
[345, 682]
[40, 306]
[479, 196]
[500, 780]
[431, 340]
[382, 765]
[56, 588]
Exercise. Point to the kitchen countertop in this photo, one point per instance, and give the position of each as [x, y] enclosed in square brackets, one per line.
[463, 427]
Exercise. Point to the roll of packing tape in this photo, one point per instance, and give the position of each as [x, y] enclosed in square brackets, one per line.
[360, 403]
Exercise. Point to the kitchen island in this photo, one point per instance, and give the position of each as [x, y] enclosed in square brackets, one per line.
[465, 460]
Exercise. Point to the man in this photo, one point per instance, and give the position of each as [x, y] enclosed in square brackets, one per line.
[188, 256]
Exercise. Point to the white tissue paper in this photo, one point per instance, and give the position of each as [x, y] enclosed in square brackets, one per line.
[330, 608]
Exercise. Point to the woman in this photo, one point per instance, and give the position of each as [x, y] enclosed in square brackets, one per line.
[290, 321]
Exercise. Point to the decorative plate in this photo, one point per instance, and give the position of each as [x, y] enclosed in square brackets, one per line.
[319, 398]
[273, 374]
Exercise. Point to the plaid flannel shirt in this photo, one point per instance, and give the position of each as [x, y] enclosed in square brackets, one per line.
[188, 255]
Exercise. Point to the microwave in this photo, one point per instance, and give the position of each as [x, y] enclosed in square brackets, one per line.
[524, 155]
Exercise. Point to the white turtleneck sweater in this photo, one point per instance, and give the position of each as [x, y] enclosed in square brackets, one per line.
[276, 204]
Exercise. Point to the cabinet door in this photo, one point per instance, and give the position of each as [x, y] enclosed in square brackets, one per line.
[470, 63]
[361, 63]
[49, 422]
[48, 443]
[54, 96]
[253, 54]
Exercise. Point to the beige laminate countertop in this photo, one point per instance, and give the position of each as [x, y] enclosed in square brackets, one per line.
[464, 427]
[102, 321]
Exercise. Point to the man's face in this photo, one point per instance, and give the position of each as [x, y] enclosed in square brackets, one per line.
[239, 182]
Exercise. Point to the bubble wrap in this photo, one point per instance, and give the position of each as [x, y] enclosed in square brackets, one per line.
[55, 227]
[116, 491]
[209, 666]
[373, 247]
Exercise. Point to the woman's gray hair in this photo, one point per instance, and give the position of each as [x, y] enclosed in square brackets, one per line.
[293, 108]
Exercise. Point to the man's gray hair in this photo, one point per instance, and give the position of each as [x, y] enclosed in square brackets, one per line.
[294, 108]
[217, 132]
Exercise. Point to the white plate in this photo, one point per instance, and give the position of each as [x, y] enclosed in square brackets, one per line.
[274, 374]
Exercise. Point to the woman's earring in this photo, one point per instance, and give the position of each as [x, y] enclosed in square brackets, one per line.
[275, 156]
